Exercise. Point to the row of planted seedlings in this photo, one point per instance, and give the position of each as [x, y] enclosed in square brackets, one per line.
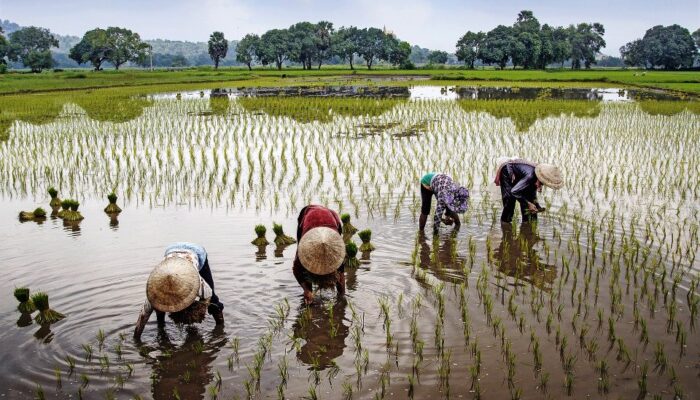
[254, 153]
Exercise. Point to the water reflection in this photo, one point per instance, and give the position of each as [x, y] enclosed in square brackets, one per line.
[184, 369]
[25, 319]
[321, 109]
[516, 256]
[261, 253]
[322, 327]
[113, 221]
[442, 258]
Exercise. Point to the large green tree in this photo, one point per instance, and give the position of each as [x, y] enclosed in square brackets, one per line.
[218, 47]
[561, 46]
[669, 47]
[93, 48]
[302, 43]
[32, 46]
[586, 41]
[246, 49]
[323, 42]
[468, 47]
[274, 47]
[526, 43]
[633, 54]
[399, 52]
[347, 43]
[497, 46]
[372, 45]
[124, 45]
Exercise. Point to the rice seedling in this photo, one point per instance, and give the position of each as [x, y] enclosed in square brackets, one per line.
[366, 236]
[112, 207]
[26, 305]
[46, 315]
[55, 201]
[37, 215]
[260, 240]
[351, 255]
[280, 238]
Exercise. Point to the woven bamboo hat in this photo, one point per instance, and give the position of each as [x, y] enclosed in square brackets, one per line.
[321, 250]
[173, 285]
[549, 175]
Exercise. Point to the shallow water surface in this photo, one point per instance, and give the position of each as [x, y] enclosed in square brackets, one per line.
[601, 290]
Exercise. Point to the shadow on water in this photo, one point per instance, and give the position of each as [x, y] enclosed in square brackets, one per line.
[440, 257]
[105, 106]
[321, 109]
[183, 369]
[517, 257]
[322, 327]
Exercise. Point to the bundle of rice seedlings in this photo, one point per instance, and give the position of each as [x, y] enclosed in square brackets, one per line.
[366, 236]
[193, 314]
[25, 302]
[351, 254]
[280, 237]
[37, 214]
[112, 207]
[72, 214]
[260, 230]
[65, 207]
[46, 315]
[348, 228]
[55, 201]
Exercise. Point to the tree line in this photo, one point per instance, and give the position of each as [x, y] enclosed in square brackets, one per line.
[529, 45]
[668, 47]
[313, 44]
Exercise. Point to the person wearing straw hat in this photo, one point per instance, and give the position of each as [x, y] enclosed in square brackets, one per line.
[520, 180]
[452, 199]
[320, 257]
[181, 285]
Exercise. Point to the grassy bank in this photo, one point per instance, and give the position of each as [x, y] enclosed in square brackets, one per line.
[13, 83]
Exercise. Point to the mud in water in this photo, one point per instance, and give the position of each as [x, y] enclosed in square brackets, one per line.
[598, 299]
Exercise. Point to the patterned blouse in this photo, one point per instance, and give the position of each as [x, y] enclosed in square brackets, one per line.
[450, 196]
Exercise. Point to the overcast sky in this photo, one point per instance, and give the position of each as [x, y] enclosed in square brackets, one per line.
[432, 24]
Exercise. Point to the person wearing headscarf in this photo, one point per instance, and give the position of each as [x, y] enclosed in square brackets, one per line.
[520, 181]
[452, 199]
[320, 257]
[182, 285]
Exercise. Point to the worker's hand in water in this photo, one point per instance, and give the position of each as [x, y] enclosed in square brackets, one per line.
[532, 208]
[308, 297]
[447, 220]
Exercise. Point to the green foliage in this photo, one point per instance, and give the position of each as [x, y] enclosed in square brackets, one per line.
[22, 294]
[260, 240]
[280, 238]
[468, 47]
[32, 46]
[247, 49]
[668, 47]
[46, 315]
[39, 213]
[94, 48]
[366, 236]
[124, 46]
[438, 57]
[41, 301]
[112, 198]
[53, 192]
[218, 47]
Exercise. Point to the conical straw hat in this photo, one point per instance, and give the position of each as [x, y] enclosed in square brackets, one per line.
[173, 285]
[549, 175]
[321, 250]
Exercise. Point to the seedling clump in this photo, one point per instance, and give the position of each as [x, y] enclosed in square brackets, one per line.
[25, 302]
[46, 315]
[351, 253]
[366, 236]
[280, 238]
[112, 207]
[260, 230]
[37, 214]
[55, 201]
[72, 214]
[348, 228]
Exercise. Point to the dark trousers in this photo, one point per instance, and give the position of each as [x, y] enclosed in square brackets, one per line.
[509, 201]
[426, 198]
[205, 273]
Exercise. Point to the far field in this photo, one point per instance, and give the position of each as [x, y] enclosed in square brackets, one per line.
[683, 82]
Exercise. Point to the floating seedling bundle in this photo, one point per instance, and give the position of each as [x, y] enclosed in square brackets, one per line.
[37, 214]
[55, 201]
[260, 231]
[366, 236]
[25, 302]
[280, 238]
[112, 207]
[46, 314]
[348, 228]
[72, 214]
[351, 254]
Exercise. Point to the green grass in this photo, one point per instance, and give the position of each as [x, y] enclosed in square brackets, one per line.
[16, 82]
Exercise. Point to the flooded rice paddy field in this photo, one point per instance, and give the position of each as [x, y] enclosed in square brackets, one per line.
[600, 299]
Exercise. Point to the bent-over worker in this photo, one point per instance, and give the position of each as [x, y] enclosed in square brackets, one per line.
[452, 199]
[520, 180]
